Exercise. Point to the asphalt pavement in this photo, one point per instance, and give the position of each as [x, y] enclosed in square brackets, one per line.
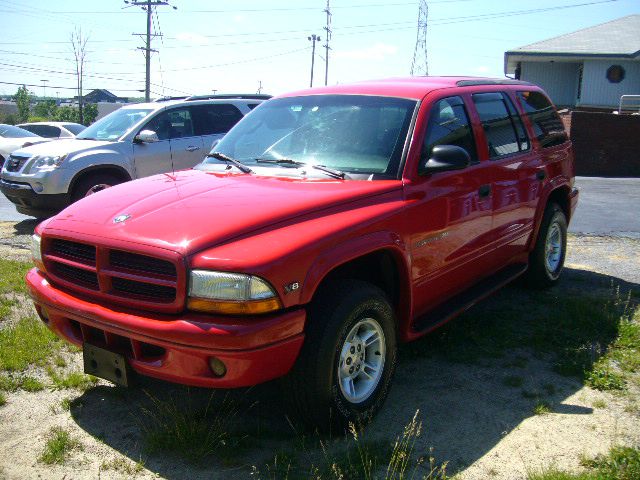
[607, 206]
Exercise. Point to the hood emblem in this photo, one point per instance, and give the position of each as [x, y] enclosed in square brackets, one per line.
[121, 218]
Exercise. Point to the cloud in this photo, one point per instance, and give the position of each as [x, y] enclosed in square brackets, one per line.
[482, 69]
[377, 52]
[192, 38]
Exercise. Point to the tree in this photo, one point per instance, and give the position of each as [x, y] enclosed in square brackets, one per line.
[90, 113]
[45, 109]
[79, 46]
[23, 101]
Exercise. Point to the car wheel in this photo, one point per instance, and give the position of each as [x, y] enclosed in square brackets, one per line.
[93, 184]
[344, 370]
[547, 258]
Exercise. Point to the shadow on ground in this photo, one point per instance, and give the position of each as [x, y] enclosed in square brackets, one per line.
[473, 381]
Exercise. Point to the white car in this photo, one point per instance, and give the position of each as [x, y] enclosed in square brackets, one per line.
[12, 138]
[54, 129]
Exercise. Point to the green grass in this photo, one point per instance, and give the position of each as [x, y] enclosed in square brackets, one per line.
[513, 381]
[123, 466]
[28, 342]
[3, 399]
[59, 446]
[541, 408]
[12, 275]
[621, 463]
[29, 384]
[14, 383]
[76, 380]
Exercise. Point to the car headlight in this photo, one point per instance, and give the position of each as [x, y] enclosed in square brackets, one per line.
[46, 163]
[230, 293]
[36, 250]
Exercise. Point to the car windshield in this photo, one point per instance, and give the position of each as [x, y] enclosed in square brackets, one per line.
[355, 134]
[114, 125]
[74, 128]
[9, 131]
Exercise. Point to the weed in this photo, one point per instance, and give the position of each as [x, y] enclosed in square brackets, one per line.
[603, 377]
[123, 466]
[513, 381]
[621, 463]
[30, 384]
[8, 383]
[76, 380]
[59, 445]
[3, 399]
[541, 408]
[599, 404]
[65, 404]
[59, 361]
[26, 343]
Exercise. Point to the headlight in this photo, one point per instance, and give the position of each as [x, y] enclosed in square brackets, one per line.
[47, 162]
[230, 293]
[36, 252]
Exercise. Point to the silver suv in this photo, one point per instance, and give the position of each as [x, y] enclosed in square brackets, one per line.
[135, 141]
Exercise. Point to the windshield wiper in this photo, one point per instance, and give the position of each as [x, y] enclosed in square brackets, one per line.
[288, 161]
[232, 161]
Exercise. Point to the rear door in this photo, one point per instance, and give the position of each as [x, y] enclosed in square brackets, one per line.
[452, 212]
[513, 167]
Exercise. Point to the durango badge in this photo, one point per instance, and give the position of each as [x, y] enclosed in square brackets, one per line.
[121, 218]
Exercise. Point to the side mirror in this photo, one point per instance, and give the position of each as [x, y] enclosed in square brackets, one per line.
[444, 158]
[146, 136]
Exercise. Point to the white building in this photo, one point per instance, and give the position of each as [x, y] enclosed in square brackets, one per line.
[592, 67]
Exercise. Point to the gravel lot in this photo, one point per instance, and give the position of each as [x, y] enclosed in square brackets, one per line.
[482, 427]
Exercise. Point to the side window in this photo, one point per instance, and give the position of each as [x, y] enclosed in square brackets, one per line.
[546, 122]
[214, 119]
[47, 131]
[170, 124]
[501, 124]
[449, 125]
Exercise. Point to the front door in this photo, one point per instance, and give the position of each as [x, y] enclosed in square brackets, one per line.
[452, 212]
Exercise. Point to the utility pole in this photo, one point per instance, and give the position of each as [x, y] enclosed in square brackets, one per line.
[148, 6]
[44, 88]
[313, 38]
[326, 45]
[420, 64]
[259, 87]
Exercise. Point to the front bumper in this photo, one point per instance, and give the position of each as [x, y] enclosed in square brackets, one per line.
[176, 348]
[28, 202]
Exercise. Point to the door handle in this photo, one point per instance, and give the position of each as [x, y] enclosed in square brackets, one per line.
[192, 148]
[484, 191]
[541, 175]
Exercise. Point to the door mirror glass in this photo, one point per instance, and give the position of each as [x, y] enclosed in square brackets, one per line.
[146, 136]
[444, 158]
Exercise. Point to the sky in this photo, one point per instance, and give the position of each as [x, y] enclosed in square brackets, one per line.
[238, 46]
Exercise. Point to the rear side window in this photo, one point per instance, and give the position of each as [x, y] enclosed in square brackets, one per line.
[47, 131]
[449, 125]
[546, 123]
[214, 119]
[501, 124]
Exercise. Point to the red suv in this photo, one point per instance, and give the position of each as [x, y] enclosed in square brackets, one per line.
[326, 227]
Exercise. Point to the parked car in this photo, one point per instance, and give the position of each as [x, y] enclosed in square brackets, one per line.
[323, 229]
[134, 141]
[13, 138]
[54, 129]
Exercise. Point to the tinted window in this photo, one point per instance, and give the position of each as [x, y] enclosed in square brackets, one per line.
[48, 131]
[213, 119]
[9, 131]
[449, 125]
[170, 124]
[74, 128]
[546, 123]
[498, 124]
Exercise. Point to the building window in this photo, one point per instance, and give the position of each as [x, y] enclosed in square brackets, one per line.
[615, 73]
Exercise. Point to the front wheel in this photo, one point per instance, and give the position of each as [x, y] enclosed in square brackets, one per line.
[547, 258]
[348, 359]
[92, 184]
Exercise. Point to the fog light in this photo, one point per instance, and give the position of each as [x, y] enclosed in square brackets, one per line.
[38, 187]
[217, 367]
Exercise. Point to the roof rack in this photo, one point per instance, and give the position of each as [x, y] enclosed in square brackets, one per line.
[229, 96]
[167, 98]
[490, 81]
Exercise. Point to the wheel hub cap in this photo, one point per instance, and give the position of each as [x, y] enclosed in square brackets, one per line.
[553, 248]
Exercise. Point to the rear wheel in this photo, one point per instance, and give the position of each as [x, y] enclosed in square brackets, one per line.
[92, 184]
[547, 258]
[344, 370]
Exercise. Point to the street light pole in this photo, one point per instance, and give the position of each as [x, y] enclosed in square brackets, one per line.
[313, 38]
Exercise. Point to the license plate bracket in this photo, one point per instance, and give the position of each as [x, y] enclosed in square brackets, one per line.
[105, 364]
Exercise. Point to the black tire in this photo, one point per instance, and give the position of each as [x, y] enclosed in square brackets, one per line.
[92, 184]
[313, 386]
[542, 272]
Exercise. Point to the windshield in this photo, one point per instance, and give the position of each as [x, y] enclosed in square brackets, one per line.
[9, 131]
[114, 125]
[350, 133]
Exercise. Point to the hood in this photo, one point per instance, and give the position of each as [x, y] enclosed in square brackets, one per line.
[193, 210]
[9, 145]
[61, 147]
